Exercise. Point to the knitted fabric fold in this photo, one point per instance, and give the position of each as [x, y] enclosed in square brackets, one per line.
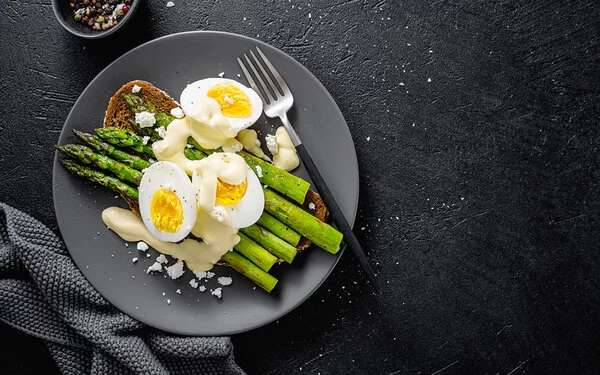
[43, 293]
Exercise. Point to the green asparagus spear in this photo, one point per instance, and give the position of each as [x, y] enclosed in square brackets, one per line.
[271, 242]
[284, 182]
[136, 105]
[250, 270]
[96, 143]
[319, 232]
[279, 229]
[123, 138]
[100, 178]
[86, 155]
[255, 253]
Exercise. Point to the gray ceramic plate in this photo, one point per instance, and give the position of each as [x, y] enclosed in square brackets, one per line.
[170, 63]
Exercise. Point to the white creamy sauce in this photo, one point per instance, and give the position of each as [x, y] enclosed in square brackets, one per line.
[198, 256]
[286, 158]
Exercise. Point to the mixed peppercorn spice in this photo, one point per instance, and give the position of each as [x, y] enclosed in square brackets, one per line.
[99, 14]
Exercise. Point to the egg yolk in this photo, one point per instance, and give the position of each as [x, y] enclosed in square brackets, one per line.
[229, 194]
[233, 101]
[166, 211]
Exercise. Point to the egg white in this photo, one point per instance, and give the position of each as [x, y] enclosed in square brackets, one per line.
[200, 89]
[164, 174]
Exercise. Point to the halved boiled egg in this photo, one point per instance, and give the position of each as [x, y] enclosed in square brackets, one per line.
[239, 104]
[237, 190]
[244, 202]
[167, 201]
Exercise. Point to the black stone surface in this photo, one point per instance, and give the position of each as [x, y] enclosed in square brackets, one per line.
[476, 129]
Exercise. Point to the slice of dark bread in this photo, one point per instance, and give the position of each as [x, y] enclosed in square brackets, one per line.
[118, 115]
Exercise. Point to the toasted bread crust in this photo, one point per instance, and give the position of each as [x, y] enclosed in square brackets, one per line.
[118, 113]
[319, 211]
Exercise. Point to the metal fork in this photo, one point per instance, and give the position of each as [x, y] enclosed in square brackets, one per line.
[277, 100]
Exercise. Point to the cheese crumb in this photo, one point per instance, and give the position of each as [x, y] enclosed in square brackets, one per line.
[209, 274]
[311, 206]
[219, 213]
[134, 260]
[162, 132]
[162, 259]
[135, 89]
[176, 270]
[193, 283]
[217, 293]
[200, 274]
[145, 139]
[202, 288]
[147, 255]
[178, 291]
[272, 145]
[168, 301]
[224, 280]
[237, 147]
[155, 267]
[170, 4]
[221, 74]
[259, 171]
[177, 112]
[228, 99]
[145, 119]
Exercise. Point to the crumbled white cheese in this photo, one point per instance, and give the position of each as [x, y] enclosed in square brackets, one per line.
[168, 301]
[311, 206]
[202, 288]
[225, 280]
[151, 161]
[368, 139]
[221, 74]
[142, 246]
[162, 132]
[189, 146]
[209, 274]
[237, 147]
[162, 259]
[176, 271]
[170, 4]
[200, 274]
[134, 260]
[259, 171]
[217, 292]
[145, 119]
[135, 89]
[145, 139]
[228, 99]
[178, 291]
[147, 255]
[177, 112]
[155, 267]
[272, 145]
[193, 283]
[219, 213]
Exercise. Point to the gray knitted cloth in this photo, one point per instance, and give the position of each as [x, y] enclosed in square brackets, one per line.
[44, 294]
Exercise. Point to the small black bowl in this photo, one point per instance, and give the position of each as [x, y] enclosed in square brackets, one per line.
[64, 15]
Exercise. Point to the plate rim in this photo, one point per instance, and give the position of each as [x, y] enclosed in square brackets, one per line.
[347, 133]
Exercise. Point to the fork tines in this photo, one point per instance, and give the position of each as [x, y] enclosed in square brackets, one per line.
[271, 85]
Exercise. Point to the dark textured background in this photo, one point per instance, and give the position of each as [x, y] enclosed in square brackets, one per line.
[476, 126]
